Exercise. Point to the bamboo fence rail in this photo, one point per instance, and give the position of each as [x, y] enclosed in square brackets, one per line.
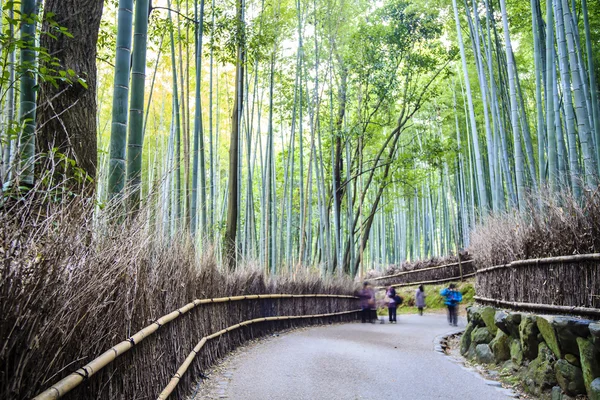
[421, 270]
[430, 275]
[430, 282]
[188, 361]
[566, 284]
[550, 308]
[73, 380]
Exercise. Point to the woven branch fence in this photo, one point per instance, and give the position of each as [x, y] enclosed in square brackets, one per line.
[431, 275]
[142, 365]
[569, 284]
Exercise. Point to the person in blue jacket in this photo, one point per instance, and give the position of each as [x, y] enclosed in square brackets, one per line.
[453, 298]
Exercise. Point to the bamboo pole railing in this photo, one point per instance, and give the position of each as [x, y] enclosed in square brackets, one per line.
[73, 380]
[540, 307]
[414, 271]
[543, 261]
[188, 361]
[431, 282]
[579, 260]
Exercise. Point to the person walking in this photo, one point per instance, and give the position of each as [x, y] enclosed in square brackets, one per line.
[420, 299]
[367, 301]
[391, 303]
[453, 298]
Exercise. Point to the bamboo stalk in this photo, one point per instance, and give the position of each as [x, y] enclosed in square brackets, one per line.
[543, 307]
[73, 380]
[421, 270]
[188, 361]
[544, 261]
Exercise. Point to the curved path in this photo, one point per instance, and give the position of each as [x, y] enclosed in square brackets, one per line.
[352, 361]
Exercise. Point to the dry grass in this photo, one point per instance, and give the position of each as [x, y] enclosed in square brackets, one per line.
[74, 284]
[554, 225]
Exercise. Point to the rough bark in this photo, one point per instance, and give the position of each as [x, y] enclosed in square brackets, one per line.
[67, 113]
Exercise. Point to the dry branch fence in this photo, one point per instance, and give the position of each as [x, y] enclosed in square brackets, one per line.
[568, 284]
[142, 365]
[428, 276]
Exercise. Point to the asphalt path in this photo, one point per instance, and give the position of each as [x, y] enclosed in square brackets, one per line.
[353, 361]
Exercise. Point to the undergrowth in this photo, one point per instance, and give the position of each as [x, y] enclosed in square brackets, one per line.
[76, 281]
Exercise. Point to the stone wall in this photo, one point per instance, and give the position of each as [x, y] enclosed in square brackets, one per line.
[557, 353]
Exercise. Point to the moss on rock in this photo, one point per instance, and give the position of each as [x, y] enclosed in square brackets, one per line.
[516, 353]
[465, 340]
[569, 377]
[573, 360]
[488, 314]
[590, 362]
[549, 335]
[481, 335]
[501, 346]
[528, 332]
[541, 369]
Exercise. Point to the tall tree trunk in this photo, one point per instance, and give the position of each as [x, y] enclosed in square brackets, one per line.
[198, 152]
[229, 242]
[67, 112]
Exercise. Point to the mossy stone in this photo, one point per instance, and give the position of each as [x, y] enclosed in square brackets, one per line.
[573, 360]
[501, 346]
[590, 362]
[595, 389]
[500, 321]
[528, 332]
[516, 354]
[541, 369]
[481, 335]
[513, 321]
[488, 314]
[465, 340]
[474, 316]
[569, 377]
[471, 352]
[556, 393]
[549, 334]
[483, 354]
[595, 332]
[567, 330]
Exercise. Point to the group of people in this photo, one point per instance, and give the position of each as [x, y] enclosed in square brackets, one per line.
[368, 303]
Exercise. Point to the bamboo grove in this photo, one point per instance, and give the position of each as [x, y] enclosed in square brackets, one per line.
[342, 135]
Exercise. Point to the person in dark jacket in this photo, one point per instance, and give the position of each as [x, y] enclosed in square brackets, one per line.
[420, 299]
[453, 298]
[367, 302]
[392, 304]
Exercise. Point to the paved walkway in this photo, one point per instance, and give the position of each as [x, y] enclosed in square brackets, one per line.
[350, 362]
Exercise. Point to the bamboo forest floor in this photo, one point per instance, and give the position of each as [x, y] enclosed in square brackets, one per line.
[350, 361]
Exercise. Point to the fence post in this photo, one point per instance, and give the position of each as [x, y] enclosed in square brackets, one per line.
[460, 268]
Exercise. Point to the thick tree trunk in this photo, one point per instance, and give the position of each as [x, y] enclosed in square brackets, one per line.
[229, 242]
[67, 113]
